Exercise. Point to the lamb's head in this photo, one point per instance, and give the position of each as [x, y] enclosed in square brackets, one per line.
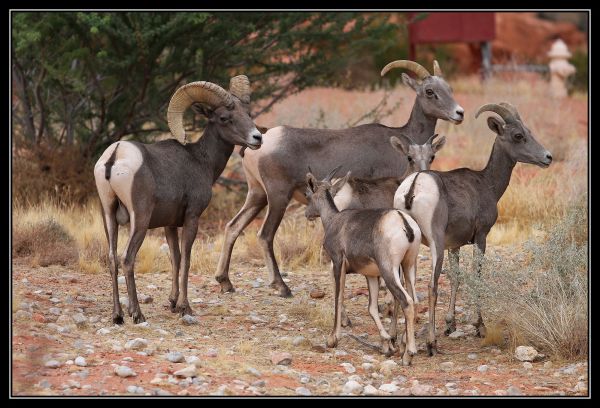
[515, 138]
[419, 156]
[227, 111]
[320, 193]
[434, 95]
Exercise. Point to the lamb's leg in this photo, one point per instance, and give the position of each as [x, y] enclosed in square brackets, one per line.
[173, 241]
[454, 275]
[386, 346]
[339, 274]
[256, 200]
[437, 258]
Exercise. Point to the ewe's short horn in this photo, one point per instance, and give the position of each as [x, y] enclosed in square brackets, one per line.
[240, 86]
[437, 71]
[202, 92]
[504, 113]
[430, 140]
[418, 69]
[331, 174]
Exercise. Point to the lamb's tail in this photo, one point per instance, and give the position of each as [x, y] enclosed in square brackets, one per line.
[109, 163]
[410, 195]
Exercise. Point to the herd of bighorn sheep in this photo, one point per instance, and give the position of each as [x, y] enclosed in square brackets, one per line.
[375, 217]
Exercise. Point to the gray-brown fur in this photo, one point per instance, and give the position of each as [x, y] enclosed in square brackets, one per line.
[169, 186]
[358, 241]
[466, 207]
[277, 174]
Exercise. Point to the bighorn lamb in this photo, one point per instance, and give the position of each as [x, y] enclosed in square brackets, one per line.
[168, 183]
[373, 243]
[277, 173]
[459, 207]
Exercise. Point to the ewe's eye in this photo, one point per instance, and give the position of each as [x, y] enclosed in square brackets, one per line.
[409, 159]
[224, 119]
[518, 136]
[429, 92]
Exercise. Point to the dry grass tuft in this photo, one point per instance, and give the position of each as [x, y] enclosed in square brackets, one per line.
[318, 314]
[46, 242]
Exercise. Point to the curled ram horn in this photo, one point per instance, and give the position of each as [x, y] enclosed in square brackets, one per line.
[504, 112]
[195, 92]
[239, 86]
[418, 69]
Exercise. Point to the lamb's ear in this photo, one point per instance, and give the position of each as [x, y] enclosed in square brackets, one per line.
[400, 143]
[439, 144]
[311, 182]
[339, 183]
[496, 126]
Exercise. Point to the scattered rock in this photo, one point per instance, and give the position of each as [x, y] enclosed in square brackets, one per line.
[23, 315]
[450, 386]
[483, 368]
[40, 318]
[175, 357]
[512, 390]
[54, 300]
[79, 319]
[80, 361]
[525, 353]
[103, 331]
[281, 358]
[391, 388]
[253, 371]
[44, 384]
[352, 388]
[136, 344]
[368, 366]
[212, 352]
[305, 378]
[447, 365]
[421, 389]
[132, 389]
[189, 320]
[348, 367]
[299, 340]
[55, 311]
[548, 364]
[387, 367]
[52, 364]
[457, 334]
[581, 386]
[340, 353]
[569, 370]
[527, 365]
[145, 299]
[124, 371]
[189, 371]
[317, 293]
[303, 391]
[472, 356]
[193, 360]
[500, 392]
[370, 390]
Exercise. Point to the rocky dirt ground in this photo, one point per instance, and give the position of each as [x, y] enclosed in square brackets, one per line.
[63, 342]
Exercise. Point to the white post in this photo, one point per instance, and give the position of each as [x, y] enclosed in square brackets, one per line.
[560, 68]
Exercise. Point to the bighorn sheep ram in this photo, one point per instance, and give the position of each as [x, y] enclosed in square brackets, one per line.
[168, 183]
[459, 207]
[277, 173]
[373, 243]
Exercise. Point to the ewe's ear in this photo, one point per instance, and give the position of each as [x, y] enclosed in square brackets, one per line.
[400, 143]
[496, 125]
[337, 186]
[202, 109]
[311, 182]
[439, 144]
[409, 81]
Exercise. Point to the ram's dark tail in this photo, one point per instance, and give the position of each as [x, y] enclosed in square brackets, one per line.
[410, 195]
[109, 163]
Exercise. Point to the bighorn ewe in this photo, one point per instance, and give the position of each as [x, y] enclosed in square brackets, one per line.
[168, 184]
[356, 193]
[459, 207]
[277, 173]
[372, 242]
